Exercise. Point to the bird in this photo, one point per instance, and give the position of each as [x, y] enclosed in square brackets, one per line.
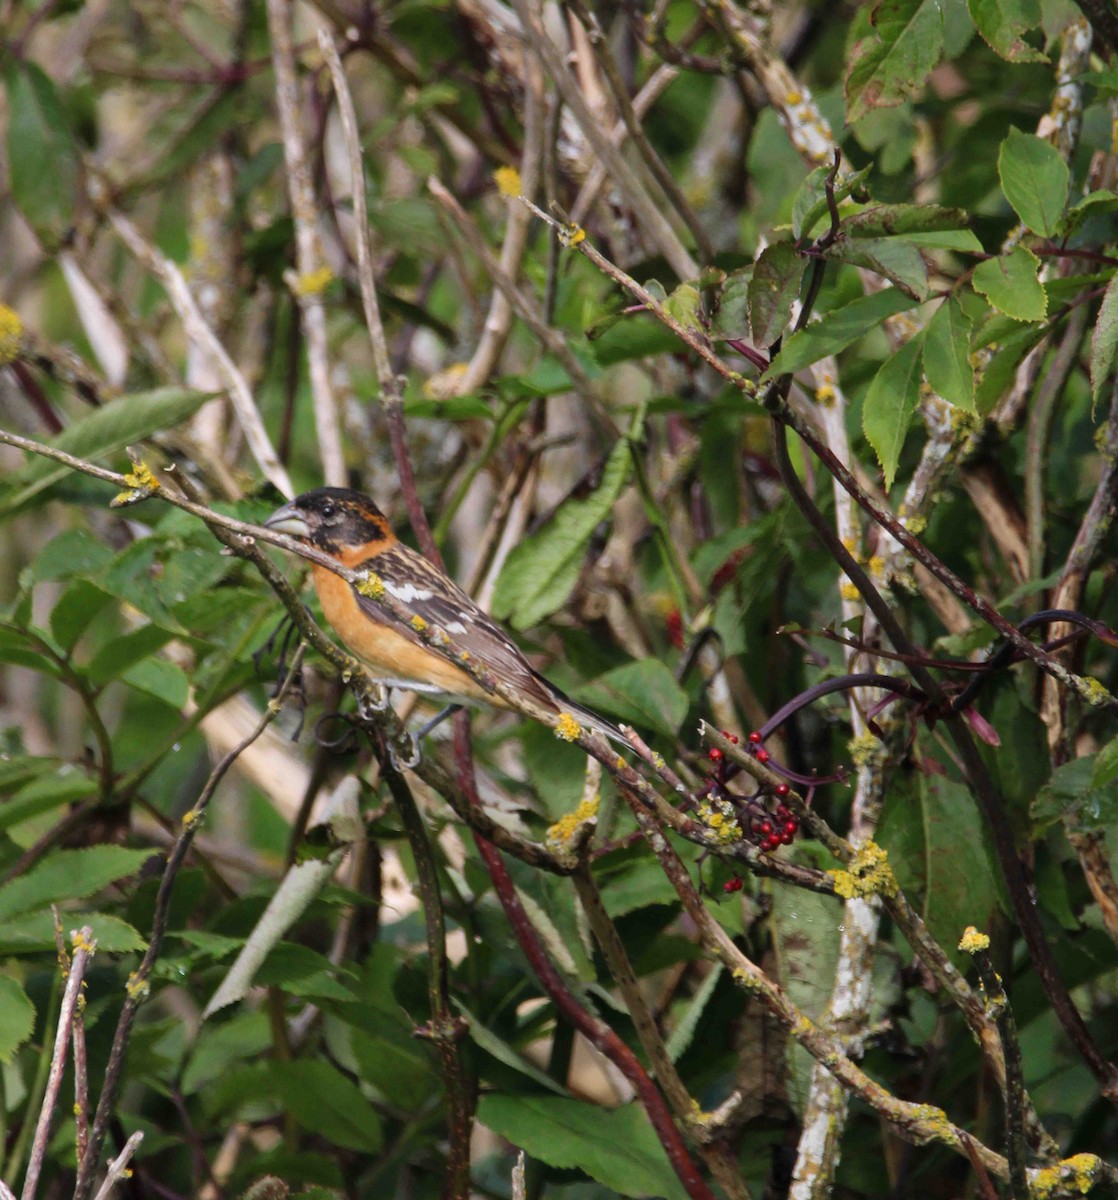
[350, 528]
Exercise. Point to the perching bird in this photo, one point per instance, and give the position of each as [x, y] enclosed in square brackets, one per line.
[349, 527]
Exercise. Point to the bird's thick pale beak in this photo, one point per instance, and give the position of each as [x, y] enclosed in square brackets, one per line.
[289, 520]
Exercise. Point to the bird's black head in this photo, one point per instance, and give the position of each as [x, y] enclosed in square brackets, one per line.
[332, 519]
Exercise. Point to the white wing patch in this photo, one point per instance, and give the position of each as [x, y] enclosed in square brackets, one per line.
[407, 593]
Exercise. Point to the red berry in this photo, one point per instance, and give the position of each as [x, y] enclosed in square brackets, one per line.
[787, 838]
[755, 737]
[715, 755]
[782, 789]
[732, 885]
[782, 814]
[765, 827]
[674, 622]
[730, 737]
[772, 842]
[762, 755]
[792, 827]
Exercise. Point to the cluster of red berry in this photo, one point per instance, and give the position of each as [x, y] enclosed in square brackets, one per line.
[767, 827]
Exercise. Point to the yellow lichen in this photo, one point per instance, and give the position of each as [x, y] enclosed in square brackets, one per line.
[11, 330]
[141, 484]
[973, 941]
[876, 565]
[314, 283]
[865, 749]
[371, 585]
[719, 817]
[1095, 693]
[508, 182]
[567, 728]
[571, 235]
[867, 874]
[560, 834]
[825, 395]
[80, 942]
[418, 624]
[445, 384]
[1078, 1173]
[137, 987]
[848, 591]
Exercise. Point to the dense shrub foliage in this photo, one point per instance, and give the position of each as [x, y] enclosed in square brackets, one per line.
[754, 365]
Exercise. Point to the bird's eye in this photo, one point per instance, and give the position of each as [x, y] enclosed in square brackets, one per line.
[329, 509]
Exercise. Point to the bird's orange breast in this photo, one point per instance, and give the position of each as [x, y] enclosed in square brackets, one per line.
[392, 656]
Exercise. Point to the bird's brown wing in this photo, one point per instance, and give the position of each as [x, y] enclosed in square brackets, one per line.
[425, 592]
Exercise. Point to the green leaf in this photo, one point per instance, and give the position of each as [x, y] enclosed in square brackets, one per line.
[69, 875]
[895, 258]
[1011, 282]
[504, 1053]
[836, 330]
[65, 785]
[1001, 24]
[1104, 341]
[157, 677]
[113, 659]
[947, 362]
[962, 240]
[890, 404]
[324, 1101]
[935, 838]
[684, 1031]
[35, 931]
[893, 220]
[542, 570]
[685, 304]
[643, 693]
[1035, 179]
[894, 60]
[78, 606]
[245, 1035]
[773, 289]
[17, 1018]
[731, 316]
[44, 169]
[1072, 791]
[1106, 765]
[617, 1147]
[810, 204]
[74, 552]
[122, 421]
[302, 972]
[396, 1067]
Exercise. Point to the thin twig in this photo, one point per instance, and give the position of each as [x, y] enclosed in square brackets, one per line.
[650, 220]
[84, 947]
[389, 382]
[313, 274]
[444, 1030]
[525, 309]
[199, 332]
[721, 1164]
[997, 1001]
[118, 1168]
